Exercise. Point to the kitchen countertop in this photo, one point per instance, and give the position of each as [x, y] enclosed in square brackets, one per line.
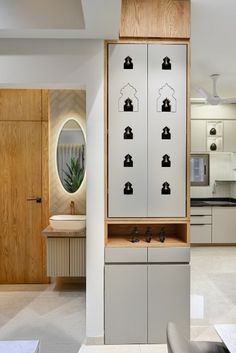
[49, 232]
[215, 202]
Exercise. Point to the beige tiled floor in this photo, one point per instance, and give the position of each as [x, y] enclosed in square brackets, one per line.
[55, 314]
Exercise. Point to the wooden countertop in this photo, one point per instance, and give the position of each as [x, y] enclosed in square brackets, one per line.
[50, 232]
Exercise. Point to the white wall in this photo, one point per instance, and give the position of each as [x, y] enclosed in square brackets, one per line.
[71, 64]
[206, 111]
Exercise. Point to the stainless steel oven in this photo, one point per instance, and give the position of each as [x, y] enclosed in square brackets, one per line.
[199, 166]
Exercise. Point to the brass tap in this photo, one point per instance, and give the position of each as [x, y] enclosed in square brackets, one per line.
[72, 207]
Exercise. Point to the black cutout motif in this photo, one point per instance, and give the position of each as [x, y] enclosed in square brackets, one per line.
[128, 100]
[148, 235]
[166, 135]
[162, 235]
[166, 161]
[128, 161]
[128, 65]
[128, 189]
[135, 235]
[166, 101]
[213, 131]
[128, 134]
[166, 106]
[166, 65]
[128, 106]
[213, 147]
[165, 188]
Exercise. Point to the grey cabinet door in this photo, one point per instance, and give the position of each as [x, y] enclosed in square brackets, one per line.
[168, 300]
[125, 304]
[166, 130]
[127, 130]
[223, 225]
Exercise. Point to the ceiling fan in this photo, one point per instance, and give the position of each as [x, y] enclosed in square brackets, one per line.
[213, 98]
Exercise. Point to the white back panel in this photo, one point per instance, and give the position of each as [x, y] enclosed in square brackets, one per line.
[170, 84]
[123, 84]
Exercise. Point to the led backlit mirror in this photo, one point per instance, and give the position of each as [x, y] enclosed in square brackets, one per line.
[71, 156]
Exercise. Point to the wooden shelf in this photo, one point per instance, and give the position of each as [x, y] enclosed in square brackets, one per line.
[170, 241]
[119, 234]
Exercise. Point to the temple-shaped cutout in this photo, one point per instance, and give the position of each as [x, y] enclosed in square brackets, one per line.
[166, 65]
[128, 162]
[128, 64]
[128, 189]
[128, 134]
[166, 161]
[165, 188]
[128, 101]
[128, 106]
[166, 135]
[166, 106]
[166, 101]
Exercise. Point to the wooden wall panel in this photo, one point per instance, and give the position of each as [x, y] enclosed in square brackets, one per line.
[155, 19]
[21, 104]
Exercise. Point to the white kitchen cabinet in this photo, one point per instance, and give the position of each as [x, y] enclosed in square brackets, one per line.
[198, 136]
[230, 135]
[224, 225]
[166, 86]
[147, 130]
[201, 225]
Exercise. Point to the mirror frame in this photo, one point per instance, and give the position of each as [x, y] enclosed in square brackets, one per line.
[63, 123]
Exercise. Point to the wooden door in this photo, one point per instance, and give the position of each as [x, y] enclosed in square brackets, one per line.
[22, 248]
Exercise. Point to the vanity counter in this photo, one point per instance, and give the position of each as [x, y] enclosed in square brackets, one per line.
[50, 232]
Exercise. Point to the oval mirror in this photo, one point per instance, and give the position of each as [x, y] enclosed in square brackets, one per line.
[71, 156]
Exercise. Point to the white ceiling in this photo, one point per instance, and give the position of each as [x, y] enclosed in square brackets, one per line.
[213, 31]
[91, 19]
[213, 40]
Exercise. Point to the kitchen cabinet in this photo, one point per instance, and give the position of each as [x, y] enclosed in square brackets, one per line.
[147, 131]
[66, 257]
[198, 136]
[142, 296]
[201, 225]
[223, 225]
[224, 138]
[229, 135]
[125, 304]
[168, 299]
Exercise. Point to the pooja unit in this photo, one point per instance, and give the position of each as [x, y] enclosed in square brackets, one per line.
[147, 255]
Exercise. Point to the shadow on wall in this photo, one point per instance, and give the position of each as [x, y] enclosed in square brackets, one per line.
[64, 104]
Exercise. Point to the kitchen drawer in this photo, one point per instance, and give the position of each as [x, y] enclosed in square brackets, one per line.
[200, 220]
[198, 211]
[200, 234]
[125, 255]
[159, 255]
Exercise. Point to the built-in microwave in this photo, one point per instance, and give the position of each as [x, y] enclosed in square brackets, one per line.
[199, 168]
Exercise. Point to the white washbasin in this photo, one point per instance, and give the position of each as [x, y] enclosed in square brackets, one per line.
[68, 222]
